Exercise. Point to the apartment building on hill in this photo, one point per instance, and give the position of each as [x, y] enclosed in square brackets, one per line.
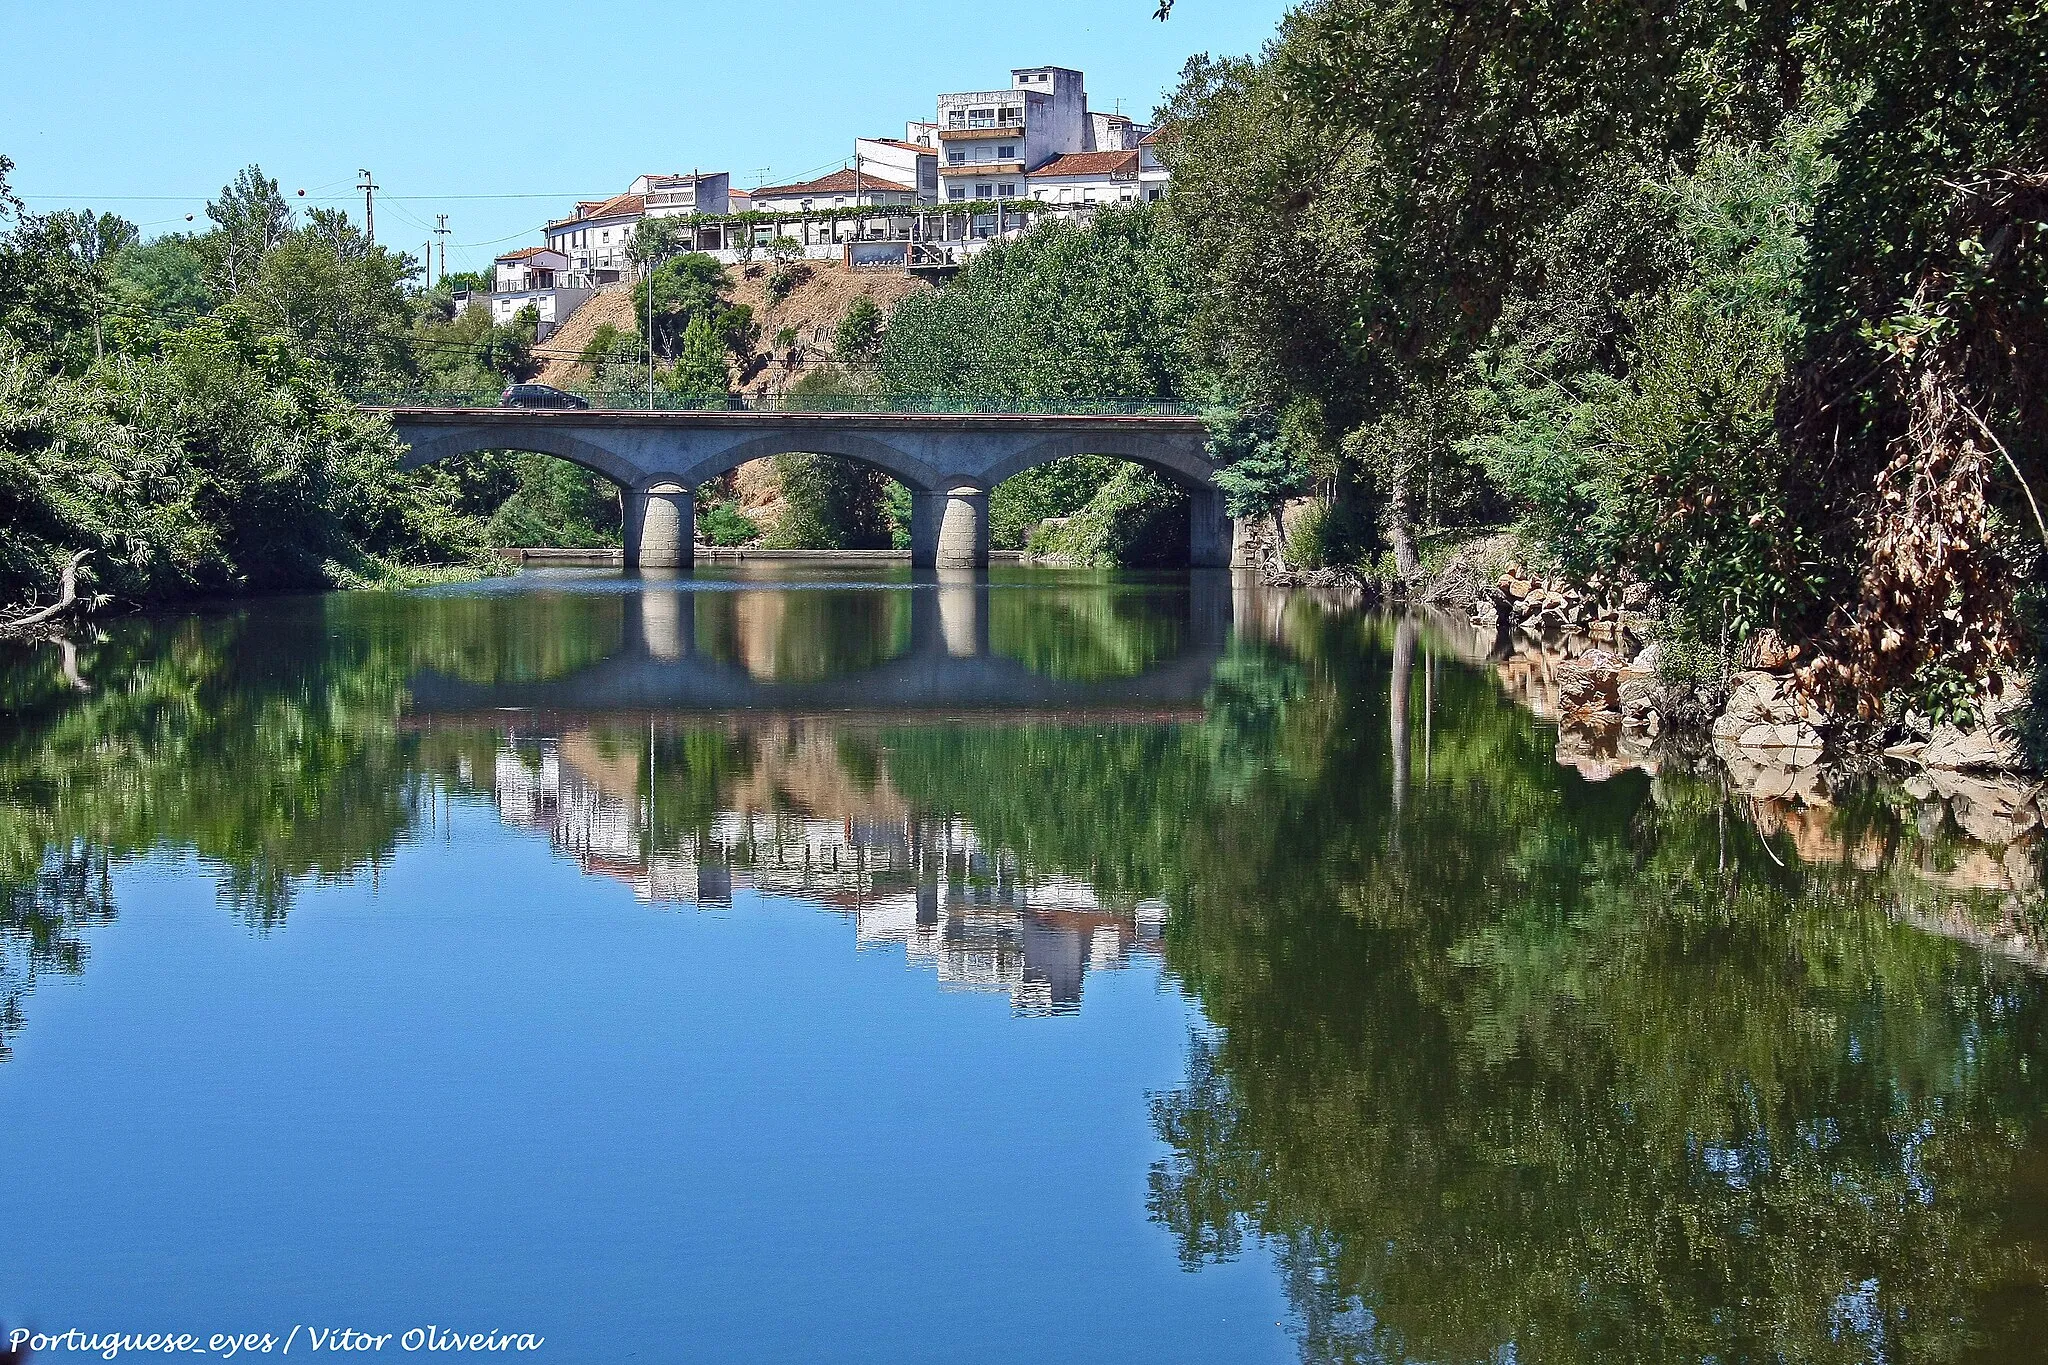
[596, 235]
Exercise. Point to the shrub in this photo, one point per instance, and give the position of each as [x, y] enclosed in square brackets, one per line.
[722, 523]
[1137, 519]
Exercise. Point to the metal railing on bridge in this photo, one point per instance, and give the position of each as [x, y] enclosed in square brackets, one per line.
[632, 401]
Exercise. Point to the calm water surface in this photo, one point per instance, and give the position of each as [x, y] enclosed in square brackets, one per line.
[1053, 966]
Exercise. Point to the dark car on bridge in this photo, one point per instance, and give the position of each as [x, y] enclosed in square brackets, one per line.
[540, 396]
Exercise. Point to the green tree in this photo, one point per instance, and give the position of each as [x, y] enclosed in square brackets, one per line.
[860, 331]
[699, 375]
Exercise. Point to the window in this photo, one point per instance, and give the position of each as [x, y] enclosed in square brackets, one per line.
[956, 191]
[956, 118]
[1007, 152]
[956, 158]
[1152, 193]
[981, 118]
[984, 191]
[1007, 191]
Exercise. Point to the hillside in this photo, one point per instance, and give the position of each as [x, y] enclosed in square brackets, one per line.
[812, 311]
[613, 305]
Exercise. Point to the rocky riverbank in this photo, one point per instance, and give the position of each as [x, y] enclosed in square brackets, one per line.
[1579, 656]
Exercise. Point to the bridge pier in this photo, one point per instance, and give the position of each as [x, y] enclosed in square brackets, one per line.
[661, 526]
[1210, 532]
[949, 529]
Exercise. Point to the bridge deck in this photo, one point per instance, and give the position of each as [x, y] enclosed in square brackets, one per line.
[730, 420]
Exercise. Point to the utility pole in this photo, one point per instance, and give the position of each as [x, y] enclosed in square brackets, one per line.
[369, 189]
[441, 231]
[427, 260]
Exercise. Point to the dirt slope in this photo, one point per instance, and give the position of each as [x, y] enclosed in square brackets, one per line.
[812, 310]
[613, 304]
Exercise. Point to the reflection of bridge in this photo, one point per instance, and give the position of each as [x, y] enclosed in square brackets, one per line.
[948, 666]
[949, 461]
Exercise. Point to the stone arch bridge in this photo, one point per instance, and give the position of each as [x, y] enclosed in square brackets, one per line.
[949, 461]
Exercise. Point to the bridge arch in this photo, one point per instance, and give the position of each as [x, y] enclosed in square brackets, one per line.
[916, 474]
[1181, 461]
[576, 448]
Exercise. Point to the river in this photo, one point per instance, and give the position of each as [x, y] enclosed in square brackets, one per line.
[788, 964]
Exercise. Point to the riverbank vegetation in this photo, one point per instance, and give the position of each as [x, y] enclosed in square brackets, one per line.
[1748, 303]
[183, 411]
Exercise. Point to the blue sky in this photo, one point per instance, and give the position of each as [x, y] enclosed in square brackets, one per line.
[501, 115]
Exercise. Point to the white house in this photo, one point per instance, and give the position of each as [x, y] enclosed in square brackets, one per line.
[1039, 140]
[594, 237]
[1153, 176]
[905, 163]
[534, 277]
[678, 196]
[990, 138]
[1088, 179]
[843, 189]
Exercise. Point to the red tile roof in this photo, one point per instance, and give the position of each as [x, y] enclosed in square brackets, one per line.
[1089, 163]
[616, 206]
[526, 251]
[839, 182]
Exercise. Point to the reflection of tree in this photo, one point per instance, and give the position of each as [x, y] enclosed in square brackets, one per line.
[1519, 1063]
[41, 913]
[1099, 631]
[1501, 1056]
[1516, 1059]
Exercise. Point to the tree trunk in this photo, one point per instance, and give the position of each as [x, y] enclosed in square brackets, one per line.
[67, 598]
[1401, 525]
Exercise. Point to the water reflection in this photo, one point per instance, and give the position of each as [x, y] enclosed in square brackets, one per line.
[796, 822]
[1499, 1062]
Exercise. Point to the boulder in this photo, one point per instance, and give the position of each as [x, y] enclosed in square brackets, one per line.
[1586, 689]
[1767, 650]
[1988, 810]
[1950, 749]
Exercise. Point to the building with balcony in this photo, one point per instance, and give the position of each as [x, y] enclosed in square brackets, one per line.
[595, 237]
[1038, 140]
[535, 277]
[679, 196]
[990, 138]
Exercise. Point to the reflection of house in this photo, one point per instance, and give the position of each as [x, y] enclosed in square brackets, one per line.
[979, 919]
